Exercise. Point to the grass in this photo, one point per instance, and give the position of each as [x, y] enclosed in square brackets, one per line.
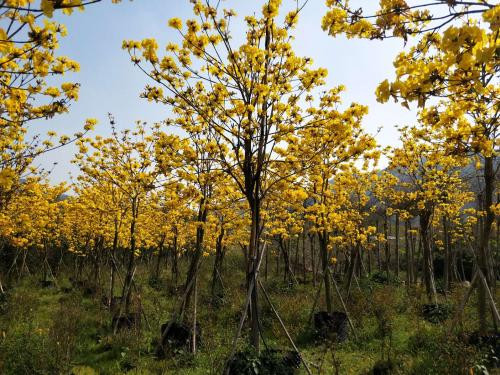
[48, 331]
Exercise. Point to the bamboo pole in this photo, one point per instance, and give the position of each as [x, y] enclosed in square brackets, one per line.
[284, 328]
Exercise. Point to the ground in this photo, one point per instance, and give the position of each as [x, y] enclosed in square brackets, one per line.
[62, 329]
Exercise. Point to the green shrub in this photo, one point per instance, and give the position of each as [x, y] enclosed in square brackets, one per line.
[423, 341]
[28, 351]
[269, 362]
[383, 277]
[440, 355]
[436, 313]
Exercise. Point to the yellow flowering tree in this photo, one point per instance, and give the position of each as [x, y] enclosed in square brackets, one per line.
[32, 222]
[429, 179]
[249, 97]
[400, 18]
[335, 142]
[124, 161]
[454, 64]
[192, 161]
[29, 40]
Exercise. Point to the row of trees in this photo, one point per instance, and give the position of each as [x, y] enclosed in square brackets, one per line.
[182, 207]
[268, 155]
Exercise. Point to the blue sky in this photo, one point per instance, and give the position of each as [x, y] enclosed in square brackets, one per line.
[110, 82]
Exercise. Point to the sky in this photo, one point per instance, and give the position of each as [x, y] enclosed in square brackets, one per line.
[110, 83]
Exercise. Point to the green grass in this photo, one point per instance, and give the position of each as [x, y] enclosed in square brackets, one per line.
[46, 331]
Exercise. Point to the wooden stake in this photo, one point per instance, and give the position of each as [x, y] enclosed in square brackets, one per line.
[284, 328]
[459, 312]
[344, 306]
[194, 311]
[315, 303]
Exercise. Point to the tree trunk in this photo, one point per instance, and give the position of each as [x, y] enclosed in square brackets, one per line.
[304, 275]
[353, 264]
[379, 262]
[396, 250]
[157, 271]
[127, 285]
[98, 245]
[323, 243]
[447, 256]
[266, 269]
[484, 253]
[296, 262]
[287, 275]
[387, 248]
[196, 256]
[216, 273]
[175, 259]
[254, 253]
[369, 256]
[427, 255]
[313, 258]
[112, 276]
[408, 252]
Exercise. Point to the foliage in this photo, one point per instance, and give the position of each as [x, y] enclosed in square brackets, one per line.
[257, 161]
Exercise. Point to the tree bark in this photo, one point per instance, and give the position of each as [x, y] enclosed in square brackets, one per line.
[386, 244]
[175, 259]
[447, 255]
[396, 250]
[113, 264]
[219, 257]
[379, 262]
[198, 253]
[323, 242]
[127, 290]
[484, 254]
[427, 257]
[252, 272]
[408, 251]
[159, 258]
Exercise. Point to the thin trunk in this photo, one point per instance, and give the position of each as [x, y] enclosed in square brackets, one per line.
[497, 257]
[313, 258]
[157, 271]
[369, 256]
[304, 275]
[219, 256]
[484, 253]
[97, 250]
[352, 267]
[252, 273]
[323, 241]
[175, 259]
[387, 248]
[427, 255]
[408, 251]
[379, 262]
[126, 291]
[195, 313]
[418, 245]
[296, 263]
[266, 269]
[196, 256]
[396, 250]
[287, 275]
[278, 256]
[447, 255]
[112, 278]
